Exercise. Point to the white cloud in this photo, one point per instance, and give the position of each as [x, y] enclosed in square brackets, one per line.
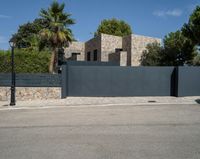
[4, 16]
[173, 13]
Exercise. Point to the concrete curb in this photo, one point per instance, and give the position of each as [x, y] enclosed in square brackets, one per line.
[102, 101]
[91, 106]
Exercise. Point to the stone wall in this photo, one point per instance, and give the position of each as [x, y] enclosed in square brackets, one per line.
[31, 93]
[123, 58]
[126, 46]
[109, 44]
[76, 47]
[91, 45]
[106, 46]
[138, 45]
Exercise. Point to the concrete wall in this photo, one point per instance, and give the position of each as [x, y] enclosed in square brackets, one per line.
[138, 45]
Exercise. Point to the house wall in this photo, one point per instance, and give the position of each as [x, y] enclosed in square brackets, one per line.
[75, 47]
[109, 44]
[138, 45]
[126, 46]
[91, 45]
[106, 46]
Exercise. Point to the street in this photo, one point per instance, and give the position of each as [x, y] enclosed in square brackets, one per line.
[107, 132]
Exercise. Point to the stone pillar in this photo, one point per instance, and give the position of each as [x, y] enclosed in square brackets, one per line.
[123, 58]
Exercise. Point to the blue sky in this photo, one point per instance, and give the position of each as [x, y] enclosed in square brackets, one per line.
[147, 17]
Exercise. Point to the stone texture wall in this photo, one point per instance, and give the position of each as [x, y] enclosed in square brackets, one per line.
[138, 45]
[76, 47]
[126, 46]
[106, 46]
[109, 44]
[91, 45]
[31, 93]
[123, 58]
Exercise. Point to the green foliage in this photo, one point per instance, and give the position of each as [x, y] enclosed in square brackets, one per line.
[192, 28]
[178, 50]
[114, 27]
[25, 61]
[53, 19]
[27, 31]
[153, 55]
[57, 33]
[196, 60]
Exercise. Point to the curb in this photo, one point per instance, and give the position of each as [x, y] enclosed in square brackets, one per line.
[18, 107]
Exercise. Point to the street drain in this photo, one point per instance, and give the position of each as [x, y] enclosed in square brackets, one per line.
[151, 101]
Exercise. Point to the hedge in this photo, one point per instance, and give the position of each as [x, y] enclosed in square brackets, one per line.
[25, 61]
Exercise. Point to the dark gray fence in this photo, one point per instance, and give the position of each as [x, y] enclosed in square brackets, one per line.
[117, 81]
[188, 81]
[31, 80]
[108, 79]
[90, 63]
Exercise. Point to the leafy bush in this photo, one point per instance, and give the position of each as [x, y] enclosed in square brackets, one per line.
[196, 61]
[25, 61]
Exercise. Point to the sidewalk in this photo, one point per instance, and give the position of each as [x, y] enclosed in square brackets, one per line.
[98, 101]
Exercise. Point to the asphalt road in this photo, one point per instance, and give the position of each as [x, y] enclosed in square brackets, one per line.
[115, 132]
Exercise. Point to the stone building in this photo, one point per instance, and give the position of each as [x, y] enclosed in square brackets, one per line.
[126, 51]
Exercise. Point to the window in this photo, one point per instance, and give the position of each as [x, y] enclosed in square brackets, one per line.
[95, 55]
[88, 56]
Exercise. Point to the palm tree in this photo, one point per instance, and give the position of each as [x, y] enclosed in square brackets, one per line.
[57, 33]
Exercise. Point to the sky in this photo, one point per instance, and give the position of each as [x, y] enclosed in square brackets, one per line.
[154, 18]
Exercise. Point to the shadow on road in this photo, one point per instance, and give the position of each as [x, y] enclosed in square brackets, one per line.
[198, 101]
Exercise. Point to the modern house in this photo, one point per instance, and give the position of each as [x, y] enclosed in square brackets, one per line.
[126, 51]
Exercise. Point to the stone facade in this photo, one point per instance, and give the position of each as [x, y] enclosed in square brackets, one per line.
[126, 46]
[138, 45]
[103, 47]
[31, 93]
[109, 44]
[75, 47]
[91, 46]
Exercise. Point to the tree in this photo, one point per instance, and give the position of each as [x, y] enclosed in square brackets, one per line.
[27, 31]
[58, 33]
[192, 29]
[196, 60]
[152, 56]
[114, 27]
[178, 50]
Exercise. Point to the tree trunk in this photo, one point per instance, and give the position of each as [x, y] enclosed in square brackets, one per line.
[52, 61]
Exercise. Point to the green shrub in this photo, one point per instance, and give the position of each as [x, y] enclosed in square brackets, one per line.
[25, 61]
[196, 61]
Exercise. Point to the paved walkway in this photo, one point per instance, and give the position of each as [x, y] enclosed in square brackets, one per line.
[98, 101]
